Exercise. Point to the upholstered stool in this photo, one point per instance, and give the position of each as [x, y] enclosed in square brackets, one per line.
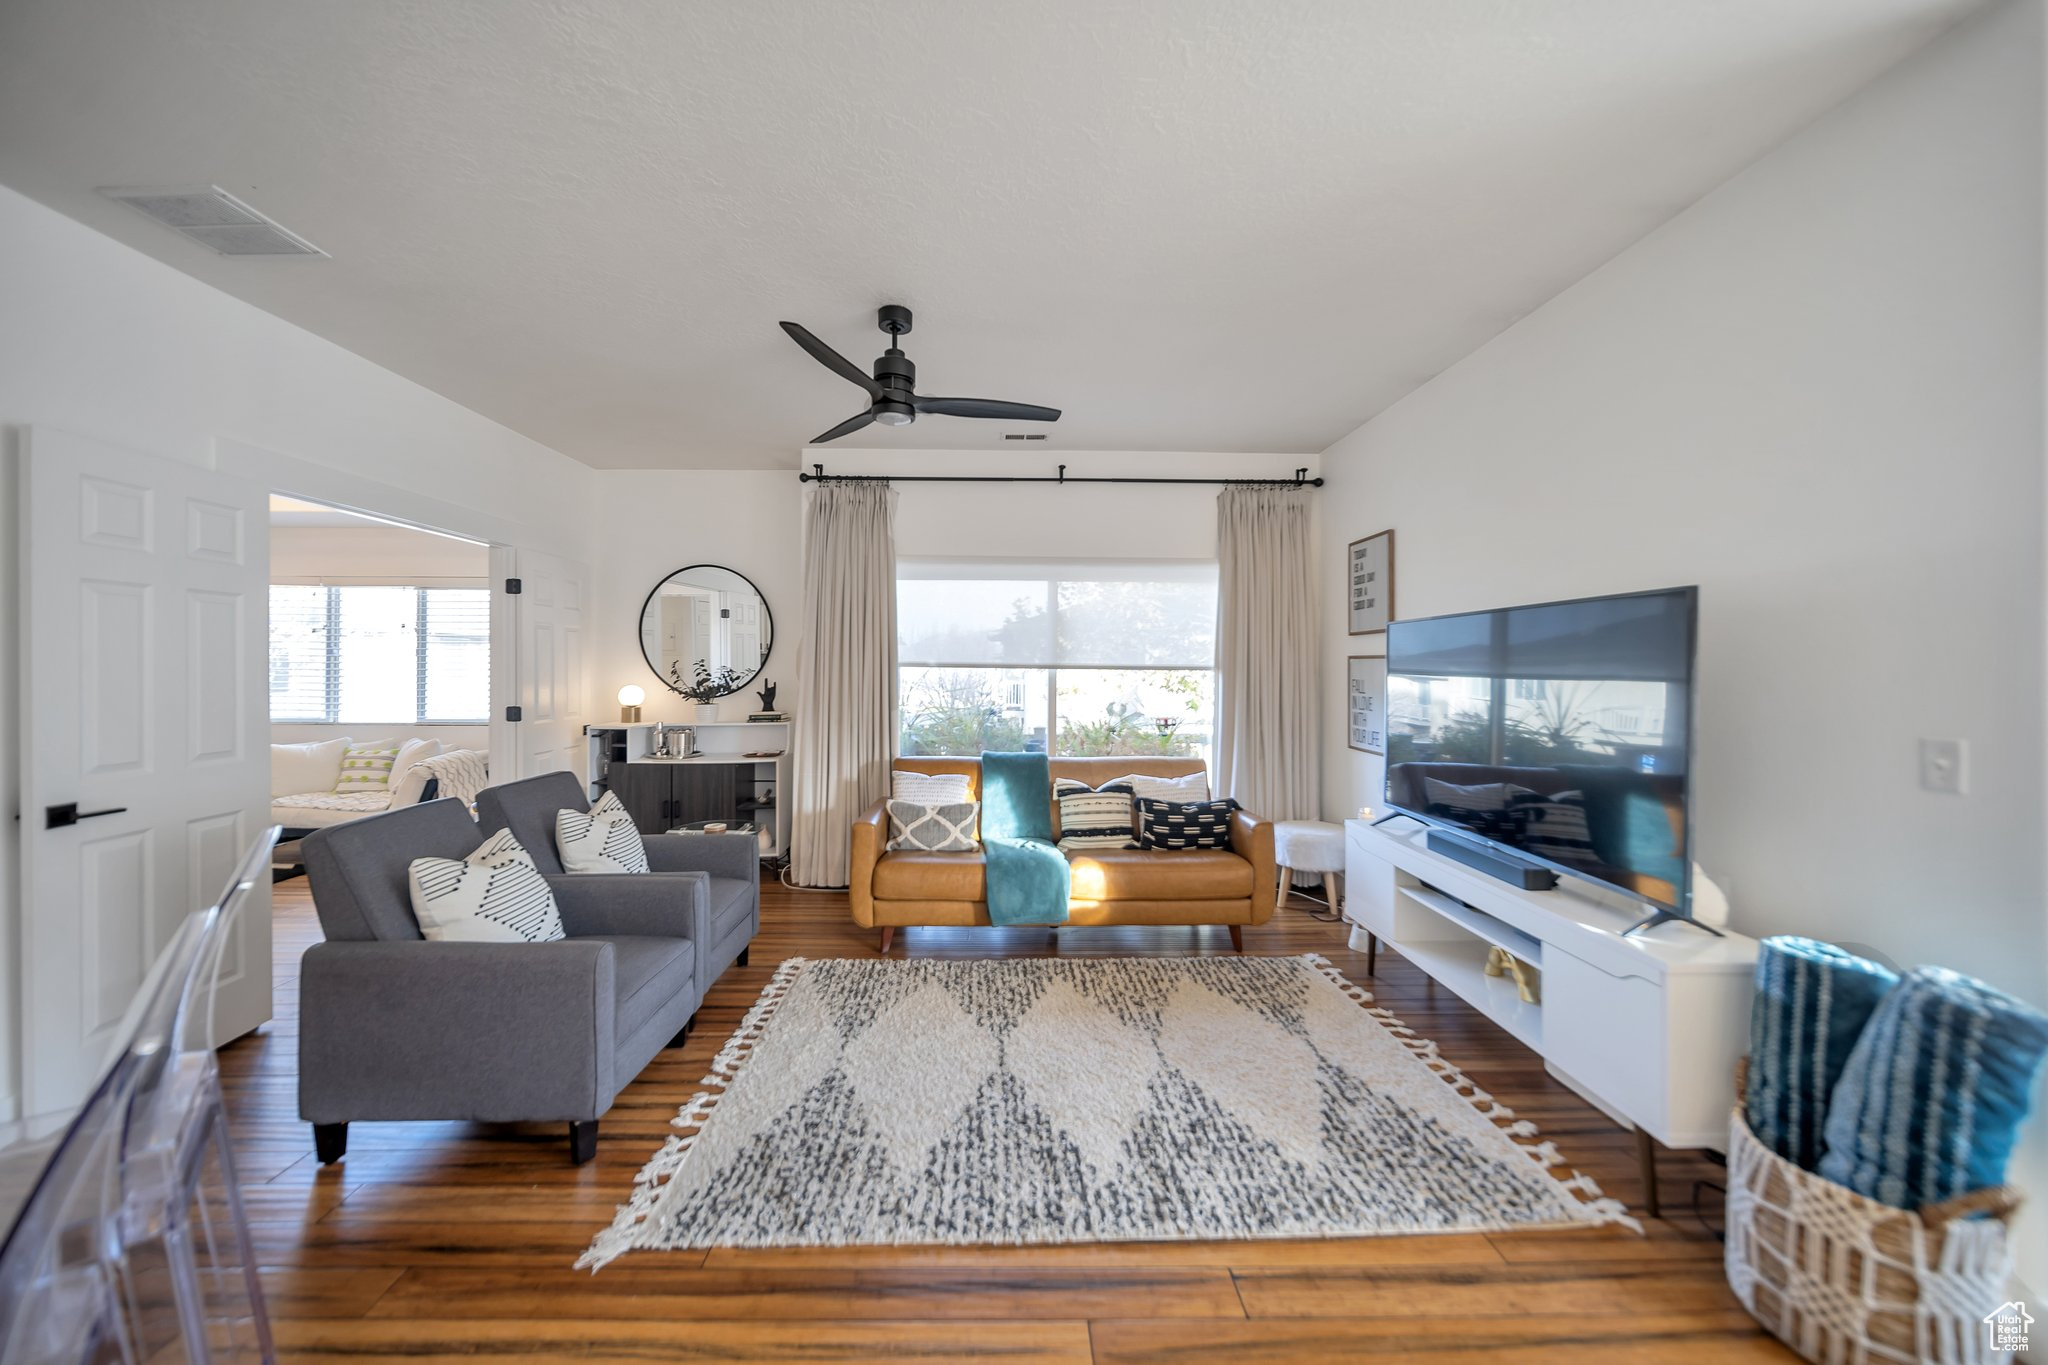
[1311, 846]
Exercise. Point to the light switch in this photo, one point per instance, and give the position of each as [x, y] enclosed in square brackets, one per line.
[1945, 766]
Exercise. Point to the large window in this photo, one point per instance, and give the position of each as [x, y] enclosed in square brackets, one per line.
[363, 655]
[1066, 658]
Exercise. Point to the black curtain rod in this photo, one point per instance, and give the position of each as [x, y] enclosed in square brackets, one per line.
[1300, 479]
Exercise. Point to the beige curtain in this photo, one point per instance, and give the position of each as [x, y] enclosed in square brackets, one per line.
[1268, 654]
[845, 731]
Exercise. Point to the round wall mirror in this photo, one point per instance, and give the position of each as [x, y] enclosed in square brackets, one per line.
[705, 619]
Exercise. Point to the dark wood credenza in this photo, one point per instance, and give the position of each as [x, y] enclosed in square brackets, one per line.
[662, 796]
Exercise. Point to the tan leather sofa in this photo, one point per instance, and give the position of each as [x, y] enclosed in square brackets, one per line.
[1233, 887]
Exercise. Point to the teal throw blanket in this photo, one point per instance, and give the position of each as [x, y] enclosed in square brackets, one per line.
[1028, 876]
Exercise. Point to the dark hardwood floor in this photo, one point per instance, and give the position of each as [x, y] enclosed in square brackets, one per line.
[442, 1240]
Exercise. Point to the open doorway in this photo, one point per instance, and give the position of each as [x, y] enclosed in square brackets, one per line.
[379, 667]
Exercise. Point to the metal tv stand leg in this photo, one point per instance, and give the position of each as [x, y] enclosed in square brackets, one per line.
[1646, 1163]
[1658, 917]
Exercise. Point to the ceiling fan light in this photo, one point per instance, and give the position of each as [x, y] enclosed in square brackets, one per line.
[894, 414]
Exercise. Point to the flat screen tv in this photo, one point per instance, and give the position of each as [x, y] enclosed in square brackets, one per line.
[1560, 733]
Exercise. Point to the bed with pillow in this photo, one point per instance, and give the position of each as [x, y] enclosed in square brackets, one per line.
[330, 782]
[1177, 857]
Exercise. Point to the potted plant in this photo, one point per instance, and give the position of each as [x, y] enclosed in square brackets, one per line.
[704, 687]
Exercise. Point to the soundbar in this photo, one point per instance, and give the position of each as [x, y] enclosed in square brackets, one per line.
[1500, 866]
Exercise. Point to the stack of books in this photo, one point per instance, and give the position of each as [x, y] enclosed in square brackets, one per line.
[768, 717]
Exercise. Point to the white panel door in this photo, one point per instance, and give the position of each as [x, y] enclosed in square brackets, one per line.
[145, 600]
[547, 683]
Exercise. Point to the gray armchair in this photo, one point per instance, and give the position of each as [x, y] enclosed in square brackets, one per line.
[731, 861]
[394, 1027]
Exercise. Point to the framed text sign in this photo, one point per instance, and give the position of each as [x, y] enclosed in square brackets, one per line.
[1365, 697]
[1369, 584]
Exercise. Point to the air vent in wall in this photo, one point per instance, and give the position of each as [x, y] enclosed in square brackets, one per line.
[216, 220]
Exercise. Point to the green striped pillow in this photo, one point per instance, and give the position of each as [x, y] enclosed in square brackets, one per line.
[366, 766]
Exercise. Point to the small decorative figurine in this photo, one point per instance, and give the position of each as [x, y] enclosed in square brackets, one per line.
[767, 696]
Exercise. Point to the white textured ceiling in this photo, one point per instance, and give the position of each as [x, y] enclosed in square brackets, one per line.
[1193, 224]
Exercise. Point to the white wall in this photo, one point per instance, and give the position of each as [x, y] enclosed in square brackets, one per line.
[657, 521]
[467, 736]
[1817, 394]
[751, 520]
[99, 339]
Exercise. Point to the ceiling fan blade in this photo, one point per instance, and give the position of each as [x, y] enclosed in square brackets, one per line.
[986, 407]
[850, 425]
[831, 359]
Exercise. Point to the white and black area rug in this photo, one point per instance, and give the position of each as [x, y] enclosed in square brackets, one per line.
[1084, 1100]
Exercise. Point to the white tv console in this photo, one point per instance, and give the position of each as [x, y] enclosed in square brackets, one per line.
[1648, 1028]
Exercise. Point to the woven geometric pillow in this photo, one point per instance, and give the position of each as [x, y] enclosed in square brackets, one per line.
[1184, 824]
[1096, 819]
[604, 839]
[933, 829]
[367, 766]
[495, 895]
[1553, 827]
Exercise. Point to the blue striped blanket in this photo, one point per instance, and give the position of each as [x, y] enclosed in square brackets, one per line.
[1812, 1001]
[1933, 1094]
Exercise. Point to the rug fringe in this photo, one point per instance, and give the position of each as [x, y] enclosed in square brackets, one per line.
[1593, 1206]
[624, 1233]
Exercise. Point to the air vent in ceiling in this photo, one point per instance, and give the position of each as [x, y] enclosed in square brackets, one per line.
[1023, 436]
[216, 220]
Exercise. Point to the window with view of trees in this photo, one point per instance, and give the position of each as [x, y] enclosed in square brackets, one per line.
[1064, 658]
[376, 655]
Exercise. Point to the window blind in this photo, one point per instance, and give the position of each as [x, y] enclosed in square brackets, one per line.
[299, 675]
[1127, 614]
[379, 655]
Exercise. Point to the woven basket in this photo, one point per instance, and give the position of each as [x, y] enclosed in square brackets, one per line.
[1847, 1280]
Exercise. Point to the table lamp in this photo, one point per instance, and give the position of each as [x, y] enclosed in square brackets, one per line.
[630, 697]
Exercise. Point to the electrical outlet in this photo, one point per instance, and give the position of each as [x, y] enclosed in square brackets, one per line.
[1945, 766]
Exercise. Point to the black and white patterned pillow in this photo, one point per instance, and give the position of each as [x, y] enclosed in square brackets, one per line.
[1184, 824]
[920, 828]
[1501, 824]
[604, 839]
[495, 895]
[1554, 827]
[1479, 796]
[1096, 819]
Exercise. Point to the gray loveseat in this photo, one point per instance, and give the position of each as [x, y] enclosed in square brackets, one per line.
[731, 861]
[394, 1027]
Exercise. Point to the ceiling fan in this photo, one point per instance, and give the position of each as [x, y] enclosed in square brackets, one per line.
[895, 404]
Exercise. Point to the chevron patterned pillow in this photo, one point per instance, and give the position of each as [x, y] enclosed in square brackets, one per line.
[602, 840]
[495, 895]
[933, 829]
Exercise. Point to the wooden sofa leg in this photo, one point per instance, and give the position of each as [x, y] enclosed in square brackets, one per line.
[330, 1142]
[582, 1140]
[888, 937]
[1237, 937]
